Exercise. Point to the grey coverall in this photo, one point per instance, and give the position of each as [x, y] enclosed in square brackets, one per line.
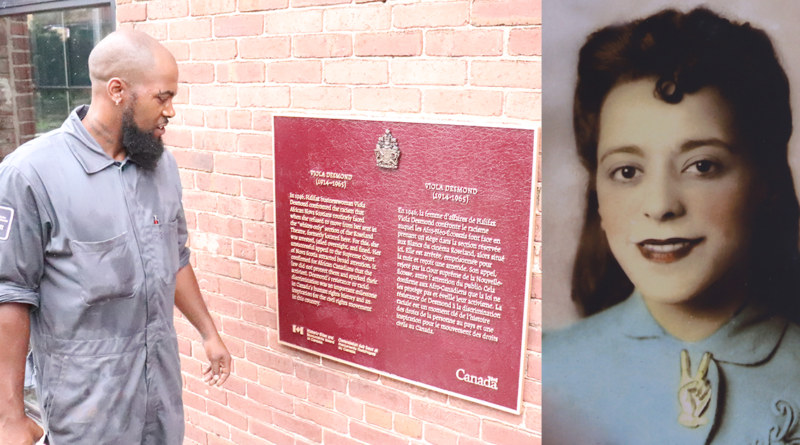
[93, 245]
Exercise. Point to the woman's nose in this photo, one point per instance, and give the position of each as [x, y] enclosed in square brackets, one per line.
[663, 200]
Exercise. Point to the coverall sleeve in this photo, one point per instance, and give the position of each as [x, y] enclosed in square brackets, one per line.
[21, 246]
[183, 233]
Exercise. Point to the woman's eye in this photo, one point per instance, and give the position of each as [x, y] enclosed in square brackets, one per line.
[703, 167]
[624, 173]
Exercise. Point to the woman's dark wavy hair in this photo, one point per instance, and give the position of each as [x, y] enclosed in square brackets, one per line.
[686, 52]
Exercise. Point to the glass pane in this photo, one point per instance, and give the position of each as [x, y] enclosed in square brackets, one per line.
[87, 27]
[51, 109]
[79, 96]
[47, 35]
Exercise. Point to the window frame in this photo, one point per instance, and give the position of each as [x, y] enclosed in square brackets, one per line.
[15, 7]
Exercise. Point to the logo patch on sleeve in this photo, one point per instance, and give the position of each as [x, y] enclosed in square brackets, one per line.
[6, 217]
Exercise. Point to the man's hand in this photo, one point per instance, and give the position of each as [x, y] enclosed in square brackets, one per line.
[20, 432]
[219, 366]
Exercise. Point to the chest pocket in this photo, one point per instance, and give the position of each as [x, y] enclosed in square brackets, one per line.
[165, 238]
[106, 269]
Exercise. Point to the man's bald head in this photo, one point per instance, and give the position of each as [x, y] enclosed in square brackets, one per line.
[129, 55]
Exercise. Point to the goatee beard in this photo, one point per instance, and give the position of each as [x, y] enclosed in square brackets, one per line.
[142, 147]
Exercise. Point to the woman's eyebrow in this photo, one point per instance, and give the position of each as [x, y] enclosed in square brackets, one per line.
[711, 142]
[632, 149]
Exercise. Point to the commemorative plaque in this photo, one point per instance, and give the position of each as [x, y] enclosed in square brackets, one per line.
[404, 248]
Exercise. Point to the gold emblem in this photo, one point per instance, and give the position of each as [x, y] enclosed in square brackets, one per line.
[695, 392]
[387, 151]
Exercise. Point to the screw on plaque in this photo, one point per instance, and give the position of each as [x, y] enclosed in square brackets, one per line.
[387, 151]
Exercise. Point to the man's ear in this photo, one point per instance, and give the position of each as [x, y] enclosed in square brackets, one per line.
[114, 88]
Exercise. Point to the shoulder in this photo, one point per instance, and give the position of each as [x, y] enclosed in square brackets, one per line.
[36, 152]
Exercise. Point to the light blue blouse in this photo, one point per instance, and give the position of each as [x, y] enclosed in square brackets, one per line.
[613, 378]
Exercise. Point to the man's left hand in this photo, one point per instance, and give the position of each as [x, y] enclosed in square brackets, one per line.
[219, 366]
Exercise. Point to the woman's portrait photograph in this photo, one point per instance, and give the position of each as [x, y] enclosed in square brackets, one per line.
[670, 171]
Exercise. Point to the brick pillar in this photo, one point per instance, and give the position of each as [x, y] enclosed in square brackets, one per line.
[17, 121]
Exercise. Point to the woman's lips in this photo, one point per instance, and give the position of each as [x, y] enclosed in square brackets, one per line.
[668, 250]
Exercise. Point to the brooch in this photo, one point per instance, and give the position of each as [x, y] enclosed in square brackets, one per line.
[695, 392]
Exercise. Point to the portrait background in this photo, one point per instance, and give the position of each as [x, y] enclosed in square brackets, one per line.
[569, 22]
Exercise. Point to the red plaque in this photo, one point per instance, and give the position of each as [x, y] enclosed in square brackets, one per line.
[404, 248]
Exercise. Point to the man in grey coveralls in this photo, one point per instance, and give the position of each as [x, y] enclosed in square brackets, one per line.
[92, 261]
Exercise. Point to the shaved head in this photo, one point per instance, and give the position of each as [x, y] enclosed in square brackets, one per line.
[127, 54]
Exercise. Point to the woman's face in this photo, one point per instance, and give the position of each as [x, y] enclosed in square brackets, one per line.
[675, 190]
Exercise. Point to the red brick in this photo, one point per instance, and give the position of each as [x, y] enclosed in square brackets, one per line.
[321, 98]
[323, 45]
[240, 72]
[255, 143]
[196, 434]
[304, 3]
[207, 423]
[534, 340]
[240, 119]
[211, 7]
[271, 434]
[295, 71]
[414, 390]
[242, 208]
[408, 426]
[269, 379]
[534, 368]
[245, 370]
[260, 316]
[532, 392]
[167, 9]
[183, 94]
[378, 395]
[321, 416]
[238, 25]
[219, 265]
[322, 397]
[215, 141]
[431, 15]
[267, 168]
[271, 398]
[250, 408]
[506, 12]
[193, 400]
[357, 72]
[320, 377]
[200, 387]
[374, 436]
[440, 436]
[218, 95]
[294, 22]
[134, 12]
[195, 72]
[535, 308]
[429, 72]
[179, 50]
[224, 306]
[244, 250]
[387, 99]
[191, 116]
[195, 28]
[269, 359]
[261, 189]
[497, 433]
[514, 74]
[214, 50]
[476, 102]
[156, 30]
[406, 43]
[446, 417]
[294, 387]
[216, 440]
[195, 200]
[262, 5]
[525, 42]
[264, 97]
[237, 165]
[485, 411]
[178, 137]
[523, 105]
[209, 283]
[258, 275]
[464, 43]
[533, 419]
[229, 185]
[363, 18]
[221, 225]
[243, 292]
[265, 47]
[227, 415]
[244, 331]
[243, 438]
[216, 118]
[331, 438]
[266, 256]
[378, 417]
[301, 427]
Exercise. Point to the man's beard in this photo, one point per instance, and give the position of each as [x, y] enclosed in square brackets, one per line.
[142, 147]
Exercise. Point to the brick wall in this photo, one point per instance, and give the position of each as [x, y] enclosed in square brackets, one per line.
[17, 124]
[241, 61]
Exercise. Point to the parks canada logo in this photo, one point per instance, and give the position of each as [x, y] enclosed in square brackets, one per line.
[487, 382]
